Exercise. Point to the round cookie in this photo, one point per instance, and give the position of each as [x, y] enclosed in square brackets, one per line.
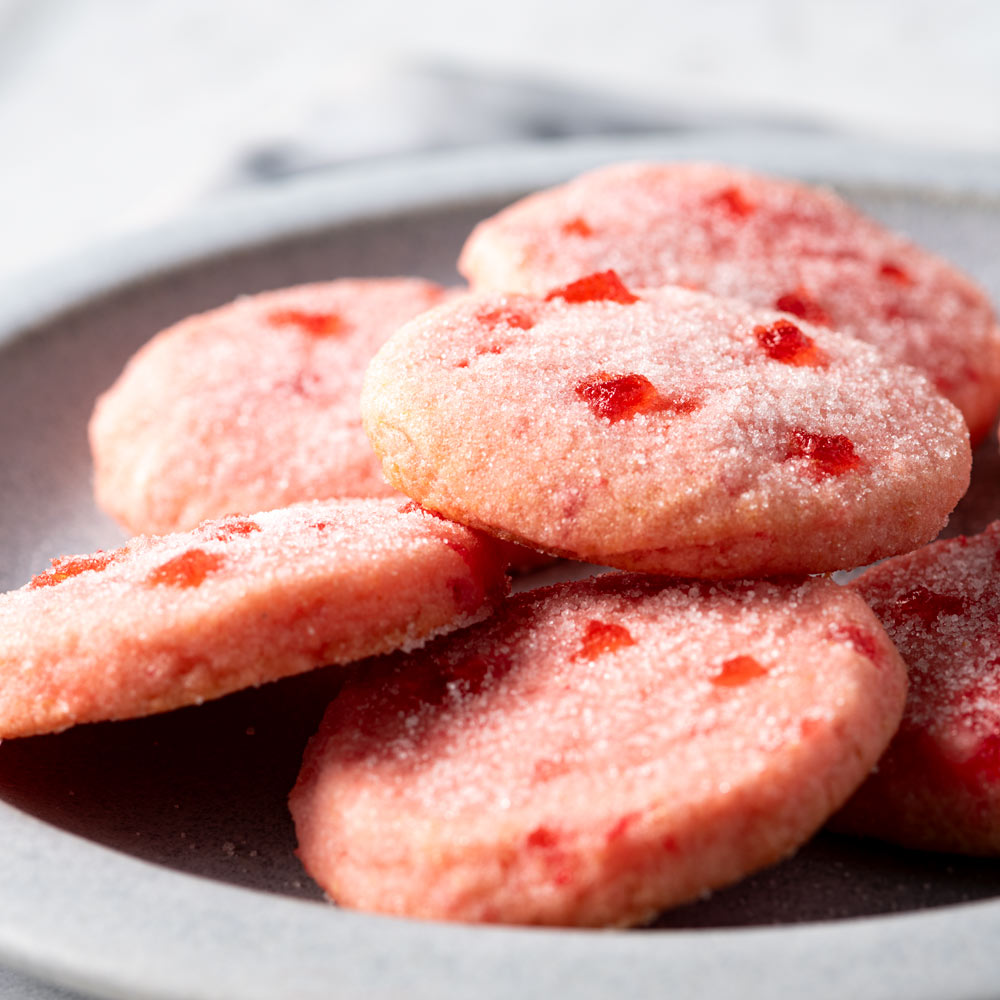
[597, 751]
[174, 620]
[249, 407]
[774, 243]
[663, 430]
[938, 785]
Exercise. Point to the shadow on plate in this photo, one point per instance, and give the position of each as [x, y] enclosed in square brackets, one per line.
[203, 790]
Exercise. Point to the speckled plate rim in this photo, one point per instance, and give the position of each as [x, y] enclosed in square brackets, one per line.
[93, 919]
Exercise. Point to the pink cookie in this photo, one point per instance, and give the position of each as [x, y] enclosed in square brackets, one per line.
[771, 242]
[250, 406]
[664, 430]
[597, 751]
[938, 785]
[174, 620]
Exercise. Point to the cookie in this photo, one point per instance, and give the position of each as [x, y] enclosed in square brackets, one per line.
[249, 407]
[663, 430]
[774, 243]
[174, 620]
[938, 785]
[597, 751]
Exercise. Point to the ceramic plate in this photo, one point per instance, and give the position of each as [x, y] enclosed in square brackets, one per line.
[155, 858]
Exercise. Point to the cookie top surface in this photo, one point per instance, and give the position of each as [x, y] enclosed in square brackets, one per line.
[938, 786]
[774, 243]
[597, 751]
[249, 407]
[174, 620]
[663, 430]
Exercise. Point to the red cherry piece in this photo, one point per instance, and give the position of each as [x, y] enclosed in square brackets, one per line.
[785, 342]
[506, 316]
[602, 637]
[318, 324]
[801, 304]
[734, 202]
[189, 569]
[926, 605]
[621, 397]
[828, 454]
[738, 671]
[577, 227]
[236, 526]
[893, 272]
[542, 836]
[67, 566]
[605, 286]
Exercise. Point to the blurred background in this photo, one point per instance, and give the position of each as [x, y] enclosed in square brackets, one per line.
[115, 114]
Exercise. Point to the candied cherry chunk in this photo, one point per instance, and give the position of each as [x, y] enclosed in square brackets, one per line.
[236, 526]
[542, 836]
[602, 637]
[577, 227]
[828, 454]
[319, 324]
[605, 286]
[893, 272]
[926, 605]
[621, 397]
[189, 569]
[785, 342]
[733, 201]
[737, 671]
[68, 566]
[506, 316]
[800, 303]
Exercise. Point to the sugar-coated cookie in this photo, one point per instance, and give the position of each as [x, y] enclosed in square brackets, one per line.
[938, 785]
[597, 751]
[249, 407]
[774, 243]
[174, 620]
[663, 430]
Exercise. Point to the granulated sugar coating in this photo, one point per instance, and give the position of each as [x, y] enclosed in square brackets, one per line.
[597, 751]
[249, 407]
[677, 433]
[938, 785]
[773, 243]
[177, 619]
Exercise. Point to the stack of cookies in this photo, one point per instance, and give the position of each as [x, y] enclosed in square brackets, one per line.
[726, 386]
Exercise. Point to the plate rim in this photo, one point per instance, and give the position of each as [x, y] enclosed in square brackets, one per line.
[100, 945]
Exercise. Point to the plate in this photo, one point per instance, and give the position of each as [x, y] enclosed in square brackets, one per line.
[155, 858]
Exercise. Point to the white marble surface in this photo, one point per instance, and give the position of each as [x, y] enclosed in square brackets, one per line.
[117, 113]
